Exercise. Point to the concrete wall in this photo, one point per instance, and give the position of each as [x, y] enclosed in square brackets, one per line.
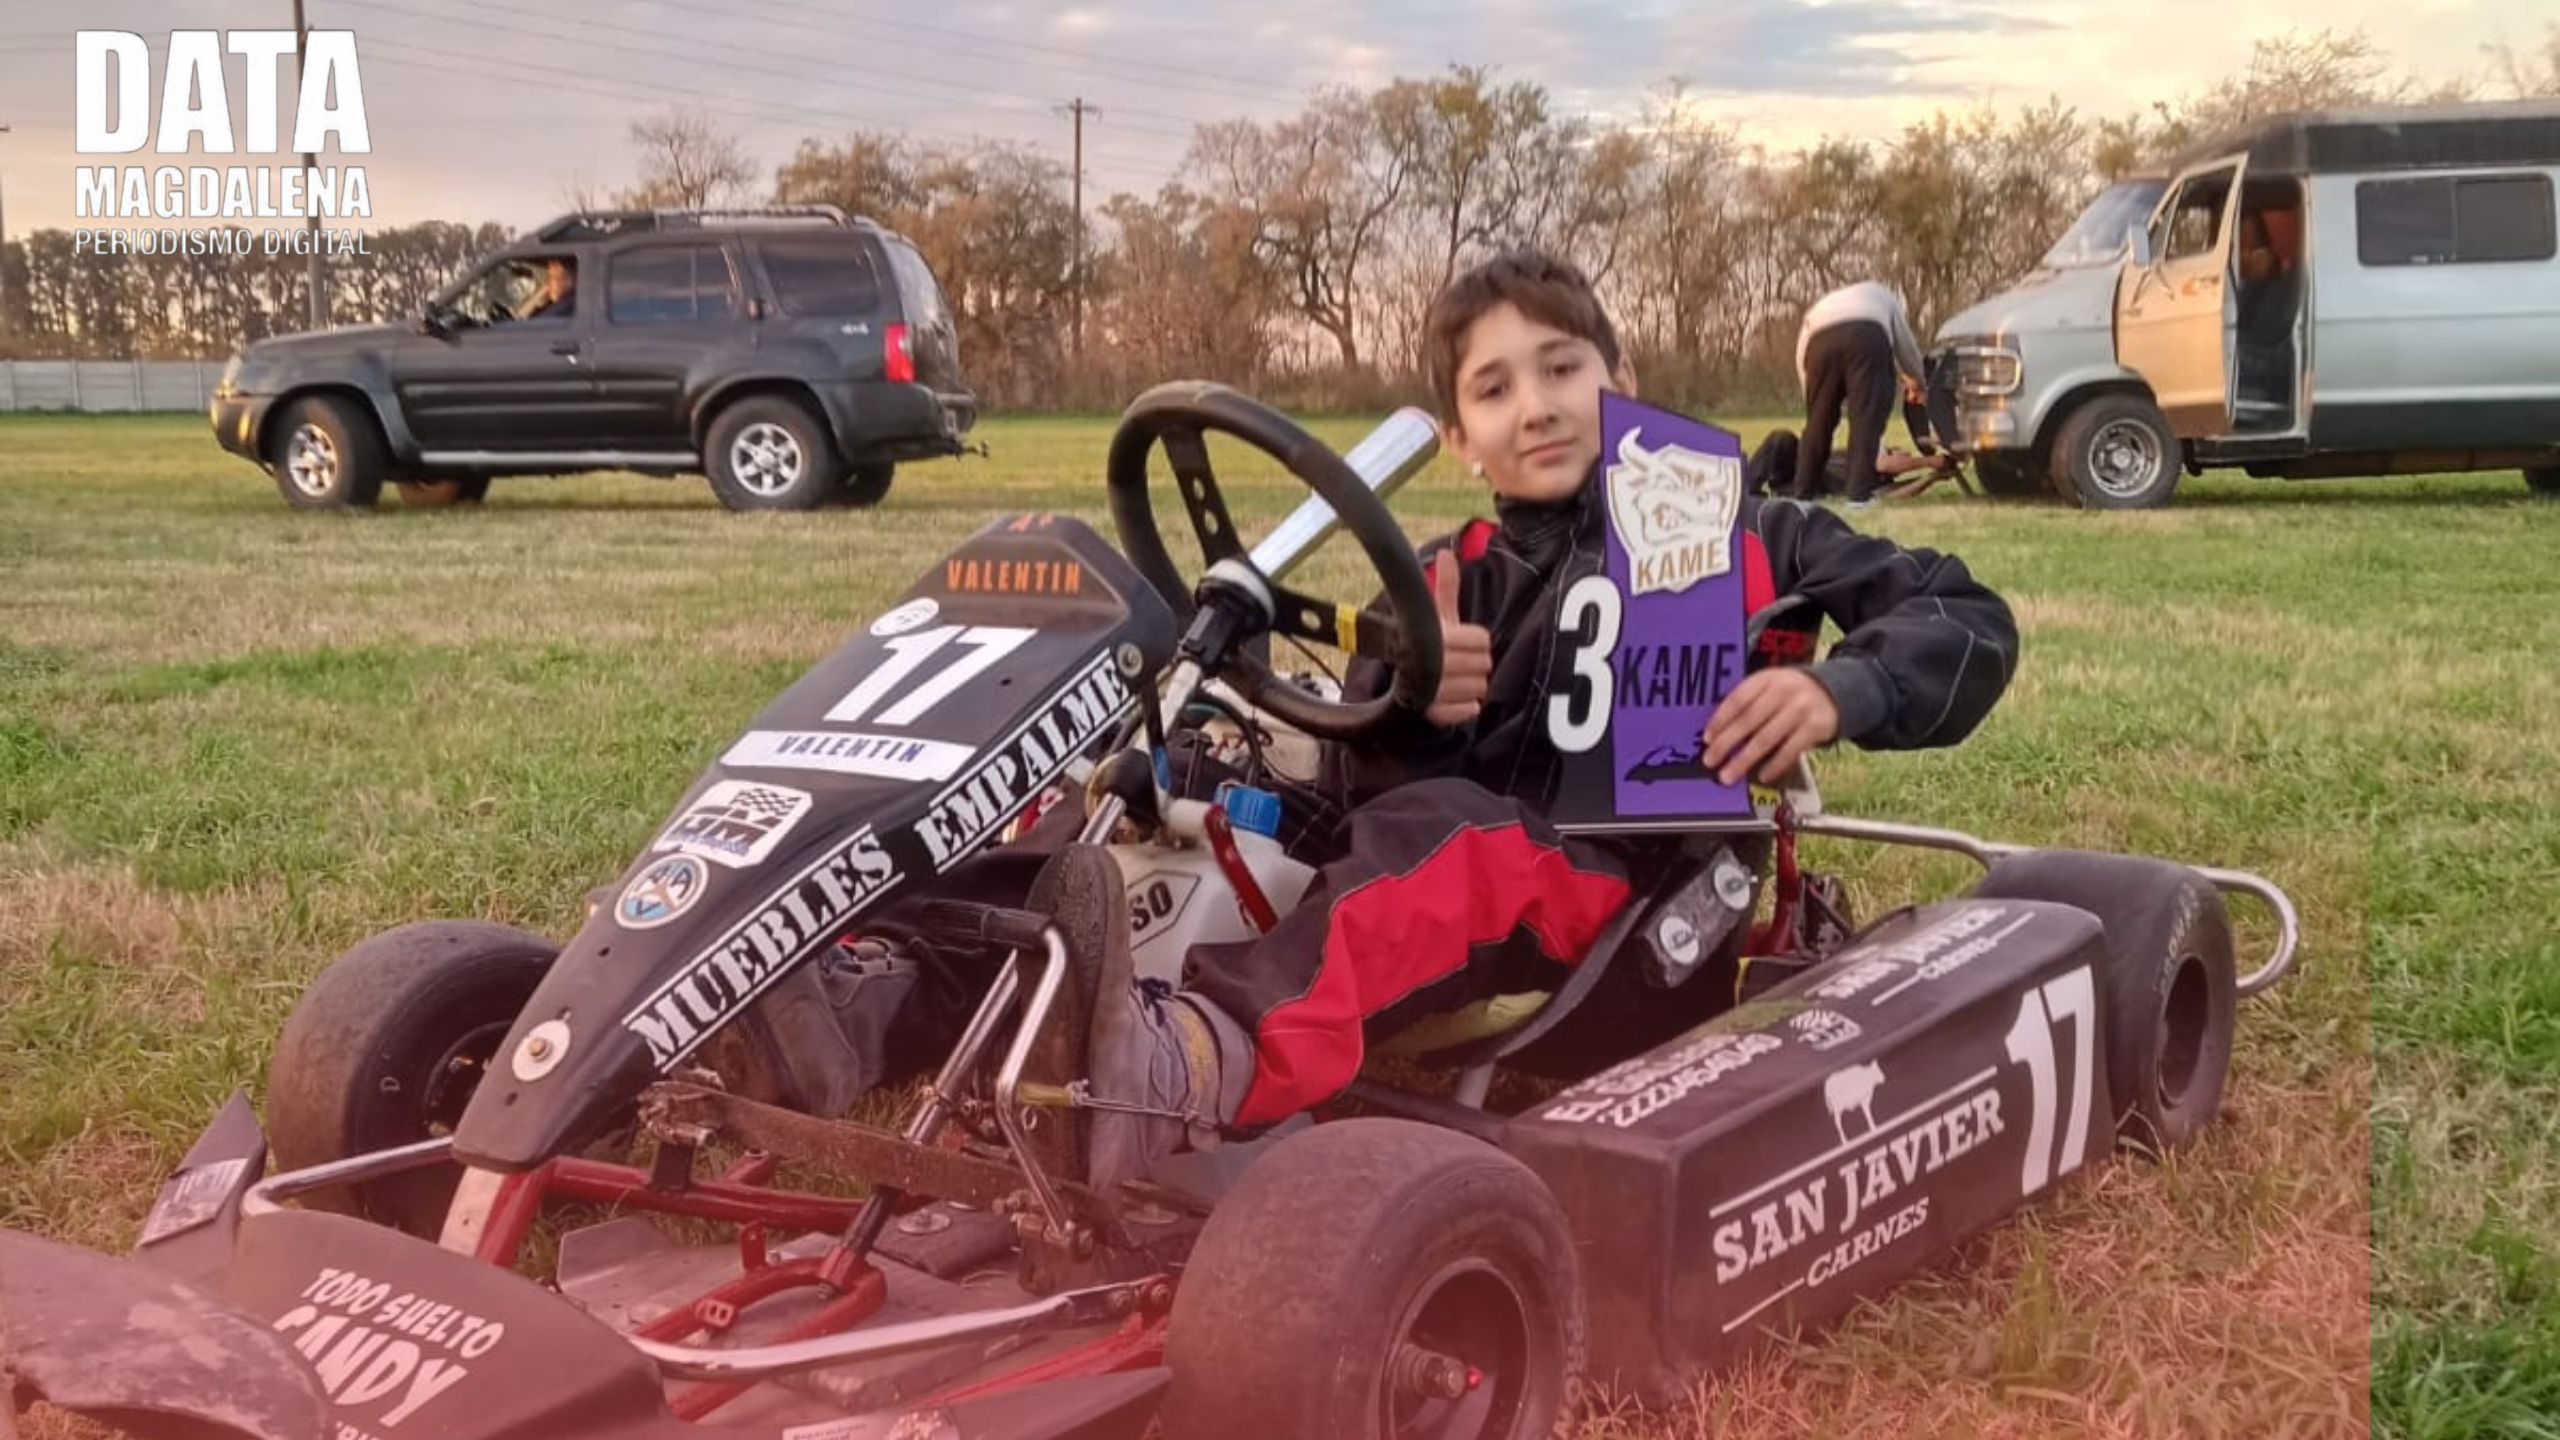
[100, 386]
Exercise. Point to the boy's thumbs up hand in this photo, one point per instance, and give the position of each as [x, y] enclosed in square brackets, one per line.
[1466, 652]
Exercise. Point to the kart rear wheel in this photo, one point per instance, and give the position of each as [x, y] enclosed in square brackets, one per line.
[2171, 989]
[386, 1048]
[1426, 1290]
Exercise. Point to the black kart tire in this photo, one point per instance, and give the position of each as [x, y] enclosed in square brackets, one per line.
[2116, 452]
[769, 453]
[1345, 1254]
[2011, 477]
[864, 486]
[385, 1049]
[2544, 482]
[326, 454]
[2170, 984]
[436, 494]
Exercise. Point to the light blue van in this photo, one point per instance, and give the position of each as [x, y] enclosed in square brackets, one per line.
[2358, 292]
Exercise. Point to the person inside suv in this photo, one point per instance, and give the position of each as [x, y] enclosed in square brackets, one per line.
[555, 297]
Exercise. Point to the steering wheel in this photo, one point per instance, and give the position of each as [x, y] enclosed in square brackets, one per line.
[1178, 416]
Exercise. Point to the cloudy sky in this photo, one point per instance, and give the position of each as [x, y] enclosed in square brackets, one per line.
[495, 109]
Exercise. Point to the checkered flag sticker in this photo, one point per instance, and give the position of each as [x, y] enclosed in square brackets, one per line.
[768, 804]
[737, 824]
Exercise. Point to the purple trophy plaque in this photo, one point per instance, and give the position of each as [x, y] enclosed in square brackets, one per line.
[1656, 641]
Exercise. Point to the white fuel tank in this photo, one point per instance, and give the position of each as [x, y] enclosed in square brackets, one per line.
[1178, 897]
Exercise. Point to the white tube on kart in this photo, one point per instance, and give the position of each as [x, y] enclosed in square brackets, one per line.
[1386, 458]
[468, 1220]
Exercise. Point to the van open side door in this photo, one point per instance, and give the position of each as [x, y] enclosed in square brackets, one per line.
[2176, 312]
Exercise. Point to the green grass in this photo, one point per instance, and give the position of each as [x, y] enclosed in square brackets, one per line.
[234, 739]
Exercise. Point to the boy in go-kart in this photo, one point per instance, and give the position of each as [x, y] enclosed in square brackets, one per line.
[1445, 883]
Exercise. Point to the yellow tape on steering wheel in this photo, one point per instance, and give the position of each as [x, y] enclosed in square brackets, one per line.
[1346, 628]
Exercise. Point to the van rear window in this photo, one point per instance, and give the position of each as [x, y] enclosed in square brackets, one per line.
[821, 275]
[2454, 220]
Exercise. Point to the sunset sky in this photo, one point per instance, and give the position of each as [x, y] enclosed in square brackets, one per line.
[482, 109]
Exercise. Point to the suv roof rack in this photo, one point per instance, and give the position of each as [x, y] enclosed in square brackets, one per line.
[597, 224]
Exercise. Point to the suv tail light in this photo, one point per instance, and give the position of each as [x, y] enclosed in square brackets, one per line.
[898, 355]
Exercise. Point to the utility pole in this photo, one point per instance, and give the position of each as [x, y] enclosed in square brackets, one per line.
[1079, 110]
[301, 64]
[6, 324]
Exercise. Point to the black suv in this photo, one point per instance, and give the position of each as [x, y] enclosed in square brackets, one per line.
[791, 354]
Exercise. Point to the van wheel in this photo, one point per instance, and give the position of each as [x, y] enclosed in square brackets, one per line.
[2544, 482]
[768, 453]
[2012, 477]
[326, 455]
[2116, 453]
[864, 486]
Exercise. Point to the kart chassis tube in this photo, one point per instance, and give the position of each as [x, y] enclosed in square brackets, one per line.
[1985, 852]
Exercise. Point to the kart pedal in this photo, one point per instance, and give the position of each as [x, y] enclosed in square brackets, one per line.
[965, 922]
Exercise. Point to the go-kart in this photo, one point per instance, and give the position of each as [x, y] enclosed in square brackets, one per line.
[1746, 1139]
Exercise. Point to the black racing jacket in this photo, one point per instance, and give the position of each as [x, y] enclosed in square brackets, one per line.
[1925, 648]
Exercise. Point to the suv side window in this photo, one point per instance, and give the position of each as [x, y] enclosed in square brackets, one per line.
[2454, 220]
[517, 289]
[670, 284]
[822, 276]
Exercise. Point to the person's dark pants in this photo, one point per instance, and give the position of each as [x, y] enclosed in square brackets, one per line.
[1445, 893]
[1772, 464]
[1847, 366]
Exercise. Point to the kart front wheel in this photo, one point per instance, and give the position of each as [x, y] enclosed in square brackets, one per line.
[1377, 1279]
[386, 1048]
[2172, 995]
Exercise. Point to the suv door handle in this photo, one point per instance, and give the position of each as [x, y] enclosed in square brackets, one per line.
[566, 347]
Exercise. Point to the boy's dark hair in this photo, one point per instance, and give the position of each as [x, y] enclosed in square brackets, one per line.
[1546, 289]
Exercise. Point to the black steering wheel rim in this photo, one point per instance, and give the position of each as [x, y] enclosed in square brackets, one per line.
[1176, 417]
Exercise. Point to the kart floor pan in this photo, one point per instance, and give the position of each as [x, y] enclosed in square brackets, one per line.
[629, 1272]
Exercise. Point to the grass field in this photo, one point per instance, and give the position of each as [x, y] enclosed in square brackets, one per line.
[234, 739]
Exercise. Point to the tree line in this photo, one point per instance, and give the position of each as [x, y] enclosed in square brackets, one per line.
[1295, 257]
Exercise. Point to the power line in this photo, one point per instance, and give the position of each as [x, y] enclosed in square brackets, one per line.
[963, 96]
[1029, 104]
[1191, 78]
[759, 110]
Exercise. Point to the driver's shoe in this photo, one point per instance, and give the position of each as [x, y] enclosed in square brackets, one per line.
[1081, 892]
[1178, 1058]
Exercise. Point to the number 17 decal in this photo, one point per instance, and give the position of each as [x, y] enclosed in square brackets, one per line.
[987, 643]
[2030, 1039]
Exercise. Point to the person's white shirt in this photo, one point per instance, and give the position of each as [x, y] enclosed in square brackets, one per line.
[1866, 300]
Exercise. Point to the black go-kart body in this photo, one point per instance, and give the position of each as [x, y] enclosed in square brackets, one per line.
[1898, 1089]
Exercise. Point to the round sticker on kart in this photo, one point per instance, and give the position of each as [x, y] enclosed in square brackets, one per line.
[661, 892]
[1653, 641]
[914, 615]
